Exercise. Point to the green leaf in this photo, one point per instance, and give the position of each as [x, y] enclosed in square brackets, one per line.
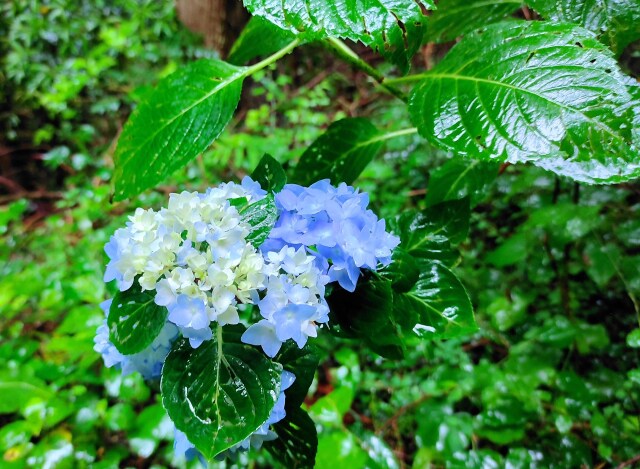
[261, 216]
[633, 339]
[454, 18]
[179, 120]
[437, 306]
[270, 174]
[135, 320]
[549, 94]
[429, 234]
[221, 392]
[393, 28]
[297, 442]
[366, 314]
[617, 22]
[302, 362]
[341, 153]
[16, 394]
[259, 37]
[403, 272]
[459, 178]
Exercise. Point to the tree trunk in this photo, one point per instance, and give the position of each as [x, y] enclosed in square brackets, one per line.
[219, 21]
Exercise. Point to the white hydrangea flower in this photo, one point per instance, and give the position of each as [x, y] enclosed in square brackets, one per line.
[194, 254]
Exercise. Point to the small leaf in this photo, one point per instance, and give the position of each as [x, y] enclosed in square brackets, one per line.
[437, 307]
[261, 216]
[259, 37]
[367, 315]
[393, 28]
[341, 153]
[297, 442]
[633, 339]
[549, 94]
[454, 18]
[617, 23]
[269, 174]
[179, 120]
[135, 320]
[403, 272]
[221, 392]
[302, 362]
[428, 235]
[459, 178]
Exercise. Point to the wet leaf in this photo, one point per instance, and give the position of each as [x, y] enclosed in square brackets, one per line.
[617, 22]
[549, 94]
[454, 18]
[269, 174]
[135, 320]
[179, 120]
[261, 216]
[297, 441]
[393, 28]
[341, 153]
[221, 392]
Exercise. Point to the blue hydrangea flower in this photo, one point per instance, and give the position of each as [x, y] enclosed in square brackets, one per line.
[334, 224]
[263, 334]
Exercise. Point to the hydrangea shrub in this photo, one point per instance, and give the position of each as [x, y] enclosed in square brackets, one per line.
[221, 293]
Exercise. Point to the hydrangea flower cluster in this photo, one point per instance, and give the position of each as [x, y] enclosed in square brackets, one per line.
[196, 259]
[335, 221]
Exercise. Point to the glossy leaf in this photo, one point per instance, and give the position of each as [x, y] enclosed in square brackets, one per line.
[365, 315]
[616, 22]
[341, 153]
[259, 37]
[429, 234]
[454, 18]
[135, 320]
[261, 216]
[403, 272]
[297, 442]
[270, 174]
[549, 94]
[437, 306]
[391, 27]
[179, 120]
[302, 362]
[219, 393]
[459, 178]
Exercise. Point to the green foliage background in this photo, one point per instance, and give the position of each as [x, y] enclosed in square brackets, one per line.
[551, 379]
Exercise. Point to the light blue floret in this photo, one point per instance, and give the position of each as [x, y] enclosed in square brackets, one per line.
[190, 315]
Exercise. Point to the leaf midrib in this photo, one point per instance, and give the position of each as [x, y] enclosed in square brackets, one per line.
[525, 91]
[241, 73]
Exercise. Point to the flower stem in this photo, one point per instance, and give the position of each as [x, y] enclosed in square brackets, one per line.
[344, 52]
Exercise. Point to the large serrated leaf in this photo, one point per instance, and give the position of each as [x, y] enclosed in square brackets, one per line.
[297, 442]
[616, 22]
[393, 27]
[179, 120]
[550, 94]
[341, 153]
[221, 392]
[437, 306]
[454, 18]
[135, 320]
